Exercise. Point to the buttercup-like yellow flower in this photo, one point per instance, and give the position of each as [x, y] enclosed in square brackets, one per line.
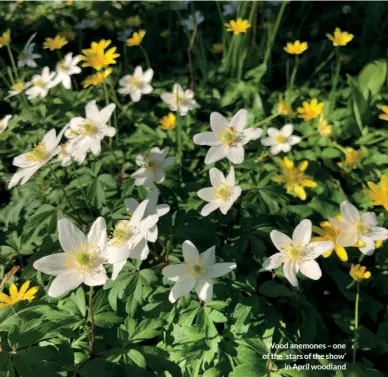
[384, 115]
[55, 43]
[340, 38]
[134, 21]
[97, 57]
[358, 272]
[283, 108]
[310, 110]
[296, 48]
[325, 129]
[97, 78]
[217, 48]
[294, 178]
[378, 244]
[136, 38]
[238, 26]
[15, 296]
[168, 122]
[378, 193]
[352, 158]
[5, 38]
[327, 232]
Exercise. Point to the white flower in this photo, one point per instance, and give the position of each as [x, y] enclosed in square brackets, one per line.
[129, 238]
[32, 161]
[41, 84]
[152, 167]
[66, 68]
[355, 227]
[227, 138]
[193, 22]
[17, 88]
[85, 24]
[153, 208]
[4, 123]
[196, 273]
[137, 84]
[297, 254]
[88, 132]
[281, 140]
[179, 100]
[27, 57]
[230, 9]
[82, 260]
[223, 193]
[65, 154]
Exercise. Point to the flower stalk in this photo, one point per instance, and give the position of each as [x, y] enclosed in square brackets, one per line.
[91, 321]
[356, 318]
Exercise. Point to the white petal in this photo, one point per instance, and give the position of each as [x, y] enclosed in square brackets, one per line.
[91, 110]
[289, 270]
[287, 130]
[302, 233]
[275, 149]
[349, 212]
[271, 131]
[230, 179]
[207, 194]
[239, 120]
[117, 253]
[369, 247]
[135, 95]
[97, 234]
[204, 289]
[162, 209]
[190, 252]
[54, 264]
[70, 237]
[377, 233]
[369, 218]
[292, 140]
[131, 204]
[167, 162]
[267, 141]
[174, 270]
[106, 113]
[148, 74]
[236, 154]
[22, 162]
[140, 251]
[210, 207]
[250, 134]
[139, 212]
[117, 267]
[220, 269]
[274, 261]
[347, 238]
[65, 283]
[183, 286]
[215, 154]
[315, 249]
[152, 234]
[279, 239]
[216, 177]
[206, 138]
[218, 122]
[97, 278]
[152, 201]
[311, 269]
[208, 256]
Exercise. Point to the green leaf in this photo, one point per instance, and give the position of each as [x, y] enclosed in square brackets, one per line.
[250, 370]
[372, 77]
[273, 289]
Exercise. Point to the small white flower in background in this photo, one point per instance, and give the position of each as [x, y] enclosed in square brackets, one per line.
[153, 208]
[196, 273]
[346, 9]
[223, 193]
[85, 24]
[65, 154]
[17, 88]
[41, 84]
[297, 254]
[227, 138]
[230, 8]
[355, 229]
[129, 238]
[66, 68]
[29, 163]
[87, 133]
[123, 35]
[179, 100]
[82, 261]
[137, 84]
[27, 57]
[193, 22]
[151, 167]
[280, 140]
[4, 123]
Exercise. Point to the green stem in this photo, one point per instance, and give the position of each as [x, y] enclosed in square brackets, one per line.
[273, 116]
[293, 74]
[15, 71]
[178, 130]
[147, 59]
[323, 64]
[355, 341]
[91, 320]
[335, 80]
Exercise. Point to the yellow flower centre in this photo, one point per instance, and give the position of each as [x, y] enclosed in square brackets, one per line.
[280, 138]
[88, 128]
[361, 228]
[17, 87]
[39, 83]
[228, 135]
[134, 81]
[294, 251]
[150, 164]
[83, 258]
[39, 153]
[122, 233]
[223, 191]
[61, 66]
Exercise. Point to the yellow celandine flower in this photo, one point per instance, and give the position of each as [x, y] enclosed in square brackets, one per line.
[134, 21]
[217, 48]
[327, 232]
[15, 296]
[384, 116]
[294, 178]
[97, 78]
[69, 3]
[358, 272]
[325, 129]
[168, 122]
[238, 26]
[352, 158]
[378, 244]
[55, 43]
[296, 48]
[136, 38]
[310, 110]
[340, 38]
[97, 57]
[378, 193]
[5, 38]
[283, 108]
